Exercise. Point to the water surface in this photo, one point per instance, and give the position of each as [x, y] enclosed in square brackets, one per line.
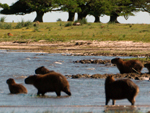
[87, 94]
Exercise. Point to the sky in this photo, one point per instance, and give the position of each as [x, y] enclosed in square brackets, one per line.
[139, 18]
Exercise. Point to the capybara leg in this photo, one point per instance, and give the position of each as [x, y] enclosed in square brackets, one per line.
[68, 93]
[132, 101]
[107, 100]
[58, 93]
[38, 93]
[113, 102]
[43, 94]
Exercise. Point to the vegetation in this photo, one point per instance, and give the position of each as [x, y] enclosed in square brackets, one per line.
[113, 8]
[54, 32]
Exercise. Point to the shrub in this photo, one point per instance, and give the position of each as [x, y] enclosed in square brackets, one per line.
[58, 20]
[23, 24]
[5, 26]
[68, 24]
[2, 19]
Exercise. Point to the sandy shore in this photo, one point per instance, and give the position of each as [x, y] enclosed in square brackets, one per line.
[125, 48]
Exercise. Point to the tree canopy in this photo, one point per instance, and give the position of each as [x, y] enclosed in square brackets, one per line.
[112, 8]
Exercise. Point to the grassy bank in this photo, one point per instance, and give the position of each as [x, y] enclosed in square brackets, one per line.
[63, 31]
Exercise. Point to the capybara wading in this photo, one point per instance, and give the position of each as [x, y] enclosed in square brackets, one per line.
[50, 82]
[42, 70]
[147, 65]
[15, 88]
[120, 89]
[130, 66]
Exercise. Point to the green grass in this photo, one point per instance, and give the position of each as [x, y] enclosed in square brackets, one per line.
[57, 31]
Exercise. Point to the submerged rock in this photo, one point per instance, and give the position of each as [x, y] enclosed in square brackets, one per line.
[90, 61]
[133, 76]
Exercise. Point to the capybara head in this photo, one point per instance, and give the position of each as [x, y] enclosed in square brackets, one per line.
[10, 81]
[30, 79]
[42, 70]
[147, 65]
[115, 60]
[109, 79]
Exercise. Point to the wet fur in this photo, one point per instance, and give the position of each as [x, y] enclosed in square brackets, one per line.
[42, 70]
[130, 66]
[14, 87]
[50, 82]
[120, 89]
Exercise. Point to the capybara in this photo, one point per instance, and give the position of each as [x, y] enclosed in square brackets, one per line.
[15, 88]
[42, 70]
[120, 89]
[9, 34]
[130, 66]
[147, 65]
[50, 82]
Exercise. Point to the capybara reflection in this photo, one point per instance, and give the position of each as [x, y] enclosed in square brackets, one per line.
[42, 70]
[50, 82]
[147, 65]
[120, 89]
[130, 66]
[15, 88]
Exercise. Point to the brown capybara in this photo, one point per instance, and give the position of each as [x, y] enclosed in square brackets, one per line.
[120, 89]
[42, 70]
[130, 66]
[15, 88]
[9, 34]
[50, 82]
[147, 65]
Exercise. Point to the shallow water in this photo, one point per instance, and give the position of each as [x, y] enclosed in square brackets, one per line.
[87, 94]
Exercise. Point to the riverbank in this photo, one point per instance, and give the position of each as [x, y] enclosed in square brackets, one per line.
[82, 48]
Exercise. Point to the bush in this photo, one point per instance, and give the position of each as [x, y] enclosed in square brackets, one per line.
[83, 21]
[68, 24]
[58, 20]
[2, 19]
[5, 26]
[23, 24]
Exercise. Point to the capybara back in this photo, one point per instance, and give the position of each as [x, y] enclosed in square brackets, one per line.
[42, 70]
[50, 82]
[120, 89]
[130, 66]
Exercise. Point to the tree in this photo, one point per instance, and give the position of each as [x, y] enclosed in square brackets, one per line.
[98, 8]
[22, 7]
[124, 8]
[70, 6]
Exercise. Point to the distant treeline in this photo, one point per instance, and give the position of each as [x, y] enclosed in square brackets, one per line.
[97, 8]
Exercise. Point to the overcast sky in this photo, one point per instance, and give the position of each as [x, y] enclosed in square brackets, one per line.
[139, 18]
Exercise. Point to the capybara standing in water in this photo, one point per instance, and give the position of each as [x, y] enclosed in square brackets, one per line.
[130, 66]
[50, 82]
[15, 88]
[120, 89]
[42, 70]
[147, 65]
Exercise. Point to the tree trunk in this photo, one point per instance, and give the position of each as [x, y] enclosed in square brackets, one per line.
[81, 16]
[97, 19]
[113, 18]
[71, 16]
[39, 16]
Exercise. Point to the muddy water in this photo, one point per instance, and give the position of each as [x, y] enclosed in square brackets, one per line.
[87, 94]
